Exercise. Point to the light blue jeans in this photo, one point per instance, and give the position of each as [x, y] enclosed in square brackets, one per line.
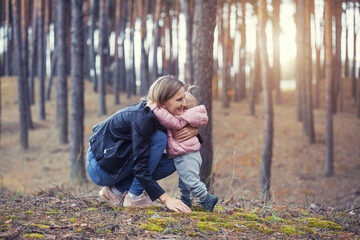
[188, 168]
[159, 165]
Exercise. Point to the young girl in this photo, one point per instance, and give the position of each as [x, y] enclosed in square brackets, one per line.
[186, 153]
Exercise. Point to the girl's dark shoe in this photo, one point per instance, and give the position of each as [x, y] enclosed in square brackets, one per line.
[209, 203]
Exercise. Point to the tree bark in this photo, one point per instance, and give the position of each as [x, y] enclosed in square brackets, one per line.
[329, 167]
[103, 39]
[144, 66]
[353, 67]
[77, 163]
[226, 61]
[276, 49]
[204, 25]
[92, 55]
[157, 37]
[61, 81]
[265, 169]
[117, 70]
[187, 7]
[24, 143]
[33, 55]
[41, 60]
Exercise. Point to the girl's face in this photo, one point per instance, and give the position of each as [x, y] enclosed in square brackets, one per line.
[176, 104]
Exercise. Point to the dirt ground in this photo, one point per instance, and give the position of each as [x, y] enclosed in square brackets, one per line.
[297, 166]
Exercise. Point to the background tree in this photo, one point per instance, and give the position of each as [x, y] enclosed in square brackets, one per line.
[265, 169]
[329, 166]
[102, 48]
[61, 81]
[33, 59]
[20, 71]
[204, 25]
[276, 49]
[227, 59]
[77, 163]
[92, 56]
[187, 7]
[41, 59]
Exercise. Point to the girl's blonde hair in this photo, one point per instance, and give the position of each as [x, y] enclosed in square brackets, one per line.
[163, 89]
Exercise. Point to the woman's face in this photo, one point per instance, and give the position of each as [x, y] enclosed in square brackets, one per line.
[176, 104]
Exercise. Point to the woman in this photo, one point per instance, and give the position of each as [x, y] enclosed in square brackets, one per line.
[126, 150]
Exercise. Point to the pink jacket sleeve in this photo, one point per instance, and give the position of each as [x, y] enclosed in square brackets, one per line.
[196, 117]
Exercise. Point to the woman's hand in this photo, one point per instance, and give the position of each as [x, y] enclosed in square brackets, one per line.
[173, 204]
[185, 133]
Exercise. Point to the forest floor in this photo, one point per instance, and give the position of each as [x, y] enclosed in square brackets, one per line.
[36, 179]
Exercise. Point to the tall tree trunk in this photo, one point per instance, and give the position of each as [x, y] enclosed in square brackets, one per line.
[318, 77]
[7, 61]
[353, 67]
[131, 78]
[92, 54]
[144, 66]
[346, 42]
[61, 81]
[77, 163]
[103, 40]
[266, 159]
[122, 45]
[25, 56]
[276, 49]
[308, 114]
[117, 70]
[20, 71]
[187, 7]
[33, 54]
[226, 61]
[157, 36]
[242, 55]
[204, 25]
[41, 60]
[337, 61]
[329, 167]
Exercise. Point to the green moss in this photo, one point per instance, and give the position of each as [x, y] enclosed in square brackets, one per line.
[79, 230]
[39, 225]
[249, 216]
[162, 221]
[152, 227]
[54, 211]
[289, 230]
[72, 220]
[102, 231]
[29, 212]
[34, 235]
[219, 208]
[314, 222]
[150, 212]
[192, 234]
[91, 209]
[207, 226]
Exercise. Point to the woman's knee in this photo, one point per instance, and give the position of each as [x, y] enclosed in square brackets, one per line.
[159, 138]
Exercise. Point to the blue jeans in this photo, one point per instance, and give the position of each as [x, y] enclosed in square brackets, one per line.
[159, 165]
[188, 167]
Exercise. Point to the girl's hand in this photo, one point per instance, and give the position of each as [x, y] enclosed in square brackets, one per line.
[185, 133]
[173, 204]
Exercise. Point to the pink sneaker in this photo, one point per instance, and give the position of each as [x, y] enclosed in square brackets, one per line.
[108, 196]
[143, 201]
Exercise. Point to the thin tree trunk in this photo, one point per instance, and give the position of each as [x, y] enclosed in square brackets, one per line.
[242, 90]
[25, 55]
[92, 55]
[205, 19]
[276, 49]
[77, 163]
[122, 45]
[41, 60]
[353, 67]
[157, 36]
[187, 7]
[61, 81]
[117, 70]
[33, 55]
[226, 61]
[329, 167]
[20, 71]
[7, 61]
[337, 61]
[318, 77]
[103, 40]
[265, 169]
[144, 66]
[50, 79]
[346, 43]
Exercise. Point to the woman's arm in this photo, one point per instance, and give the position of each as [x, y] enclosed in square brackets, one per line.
[185, 133]
[174, 204]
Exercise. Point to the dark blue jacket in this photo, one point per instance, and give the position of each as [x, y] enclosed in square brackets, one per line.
[126, 136]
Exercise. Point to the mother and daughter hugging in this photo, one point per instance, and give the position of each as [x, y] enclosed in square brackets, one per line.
[127, 154]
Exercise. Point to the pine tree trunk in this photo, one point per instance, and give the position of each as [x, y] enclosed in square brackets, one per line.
[187, 7]
[353, 67]
[117, 70]
[346, 71]
[122, 46]
[61, 81]
[103, 39]
[276, 49]
[265, 169]
[338, 66]
[205, 19]
[77, 163]
[41, 60]
[20, 71]
[157, 37]
[242, 90]
[329, 167]
[7, 61]
[92, 56]
[33, 55]
[226, 63]
[144, 66]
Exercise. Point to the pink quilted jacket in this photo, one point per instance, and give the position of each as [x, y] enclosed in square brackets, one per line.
[196, 117]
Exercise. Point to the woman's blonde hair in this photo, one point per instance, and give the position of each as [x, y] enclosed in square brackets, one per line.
[163, 89]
